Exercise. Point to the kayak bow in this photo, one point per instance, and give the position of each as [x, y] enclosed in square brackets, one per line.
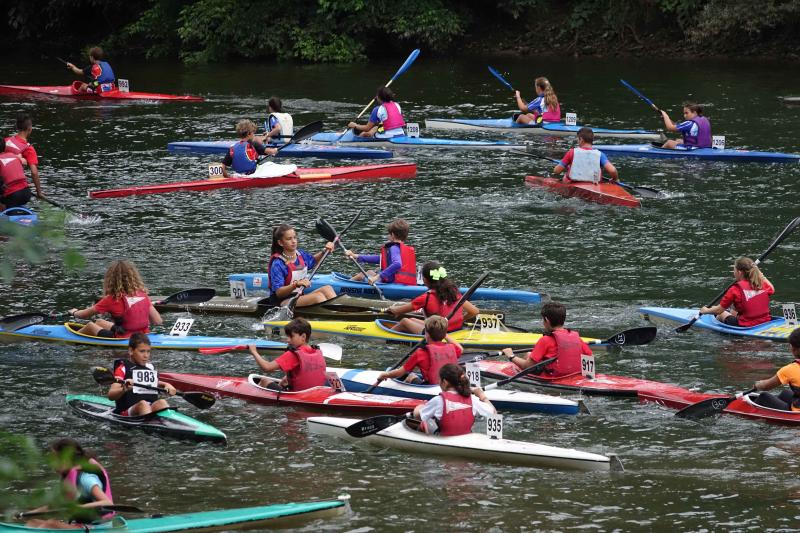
[606, 193]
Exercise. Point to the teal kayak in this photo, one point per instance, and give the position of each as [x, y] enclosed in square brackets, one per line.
[281, 515]
[555, 129]
[168, 422]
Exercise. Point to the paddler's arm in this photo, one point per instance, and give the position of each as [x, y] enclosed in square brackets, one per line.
[668, 124]
[392, 374]
[521, 103]
[451, 340]
[401, 309]
[477, 391]
[100, 498]
[768, 384]
[713, 310]
[89, 312]
[266, 366]
[357, 127]
[328, 248]
[154, 316]
[37, 182]
[263, 150]
[470, 311]
[75, 70]
[611, 170]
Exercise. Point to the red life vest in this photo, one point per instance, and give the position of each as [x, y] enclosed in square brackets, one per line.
[434, 307]
[754, 309]
[393, 117]
[457, 417]
[568, 353]
[71, 479]
[290, 266]
[407, 275]
[439, 354]
[12, 174]
[15, 145]
[311, 372]
[136, 317]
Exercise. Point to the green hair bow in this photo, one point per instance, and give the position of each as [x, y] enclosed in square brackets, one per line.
[438, 274]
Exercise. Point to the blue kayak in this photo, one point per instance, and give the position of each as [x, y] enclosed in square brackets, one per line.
[775, 330]
[401, 141]
[19, 215]
[558, 129]
[294, 150]
[257, 283]
[706, 154]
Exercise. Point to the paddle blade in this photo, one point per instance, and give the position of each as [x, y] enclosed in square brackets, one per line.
[501, 78]
[705, 408]
[647, 192]
[201, 400]
[103, 375]
[222, 349]
[633, 337]
[685, 327]
[325, 230]
[404, 67]
[189, 297]
[370, 426]
[15, 322]
[331, 351]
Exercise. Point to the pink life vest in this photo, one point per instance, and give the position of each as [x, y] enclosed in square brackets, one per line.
[136, 318]
[407, 275]
[311, 372]
[552, 115]
[754, 309]
[439, 354]
[393, 117]
[568, 352]
[290, 266]
[12, 175]
[457, 417]
[72, 480]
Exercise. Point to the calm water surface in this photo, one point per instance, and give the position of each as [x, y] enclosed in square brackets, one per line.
[472, 212]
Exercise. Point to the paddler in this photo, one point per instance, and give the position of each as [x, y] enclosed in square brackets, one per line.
[749, 297]
[13, 182]
[279, 125]
[557, 341]
[453, 411]
[696, 129]
[543, 108]
[585, 163]
[17, 192]
[132, 400]
[789, 399]
[397, 260]
[84, 480]
[440, 299]
[243, 156]
[288, 269]
[125, 299]
[303, 364]
[99, 73]
[439, 350]
[386, 119]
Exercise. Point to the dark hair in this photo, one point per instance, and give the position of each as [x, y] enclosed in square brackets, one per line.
[399, 228]
[586, 135]
[96, 53]
[385, 94]
[70, 449]
[275, 103]
[436, 327]
[446, 291]
[555, 312]
[277, 234]
[298, 326]
[24, 121]
[455, 376]
[794, 338]
[694, 108]
[138, 338]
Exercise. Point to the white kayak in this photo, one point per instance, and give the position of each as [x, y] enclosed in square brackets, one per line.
[552, 129]
[471, 446]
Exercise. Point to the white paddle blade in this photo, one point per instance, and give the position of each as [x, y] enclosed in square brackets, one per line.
[331, 351]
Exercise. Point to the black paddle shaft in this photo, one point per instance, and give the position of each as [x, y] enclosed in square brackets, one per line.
[328, 232]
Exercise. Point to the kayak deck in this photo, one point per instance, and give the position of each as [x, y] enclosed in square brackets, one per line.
[605, 193]
[402, 141]
[293, 150]
[776, 329]
[707, 154]
[744, 407]
[558, 129]
[69, 92]
[19, 215]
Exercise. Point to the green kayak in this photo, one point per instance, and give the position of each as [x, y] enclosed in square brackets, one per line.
[269, 516]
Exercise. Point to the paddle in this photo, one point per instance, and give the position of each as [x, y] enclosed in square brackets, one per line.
[104, 509]
[644, 192]
[501, 78]
[201, 400]
[708, 407]
[81, 216]
[331, 351]
[15, 322]
[188, 297]
[466, 296]
[635, 91]
[405, 66]
[781, 236]
[370, 426]
[309, 130]
[328, 233]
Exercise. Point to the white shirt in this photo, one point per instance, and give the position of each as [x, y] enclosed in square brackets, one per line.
[434, 408]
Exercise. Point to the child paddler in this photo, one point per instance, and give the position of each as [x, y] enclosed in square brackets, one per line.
[125, 299]
[386, 119]
[288, 269]
[440, 299]
[13, 181]
[279, 125]
[557, 341]
[439, 350]
[585, 163]
[543, 108]
[453, 411]
[131, 399]
[99, 73]
[243, 156]
[789, 399]
[695, 129]
[397, 260]
[749, 297]
[17, 192]
[303, 364]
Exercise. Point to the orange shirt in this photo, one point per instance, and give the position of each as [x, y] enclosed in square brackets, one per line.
[790, 375]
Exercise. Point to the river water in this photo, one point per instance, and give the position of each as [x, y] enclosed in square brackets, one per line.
[472, 212]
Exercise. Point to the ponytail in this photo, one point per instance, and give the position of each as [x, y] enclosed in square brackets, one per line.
[550, 98]
[444, 288]
[455, 376]
[750, 272]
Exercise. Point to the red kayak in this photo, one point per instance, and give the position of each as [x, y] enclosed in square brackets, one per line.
[605, 192]
[70, 91]
[326, 398]
[744, 406]
[301, 175]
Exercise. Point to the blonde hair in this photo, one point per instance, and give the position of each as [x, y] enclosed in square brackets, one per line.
[245, 127]
[122, 279]
[436, 327]
[550, 98]
[750, 272]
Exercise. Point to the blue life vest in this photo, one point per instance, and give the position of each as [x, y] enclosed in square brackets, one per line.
[244, 157]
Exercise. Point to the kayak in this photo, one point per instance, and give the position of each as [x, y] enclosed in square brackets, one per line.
[381, 330]
[70, 91]
[775, 330]
[402, 141]
[68, 333]
[357, 380]
[258, 283]
[168, 422]
[298, 176]
[790, 99]
[606, 193]
[471, 446]
[266, 516]
[20, 216]
[558, 129]
[293, 150]
[706, 154]
[744, 407]
[325, 398]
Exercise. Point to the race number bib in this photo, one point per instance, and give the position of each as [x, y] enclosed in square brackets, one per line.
[412, 129]
[123, 86]
[215, 171]
[489, 323]
[181, 327]
[587, 366]
[718, 142]
[494, 426]
[571, 119]
[238, 289]
[790, 314]
[144, 376]
[473, 372]
[419, 275]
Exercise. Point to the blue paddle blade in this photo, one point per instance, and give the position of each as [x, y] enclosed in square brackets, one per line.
[635, 91]
[500, 77]
[411, 58]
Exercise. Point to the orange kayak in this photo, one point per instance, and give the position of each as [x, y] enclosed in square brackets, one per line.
[605, 192]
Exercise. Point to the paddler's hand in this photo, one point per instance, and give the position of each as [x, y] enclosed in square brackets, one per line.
[351, 125]
[270, 151]
[127, 384]
[170, 389]
[301, 283]
[70, 66]
[252, 348]
[705, 310]
[393, 309]
[351, 254]
[516, 93]
[329, 246]
[508, 352]
[374, 279]
[477, 391]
